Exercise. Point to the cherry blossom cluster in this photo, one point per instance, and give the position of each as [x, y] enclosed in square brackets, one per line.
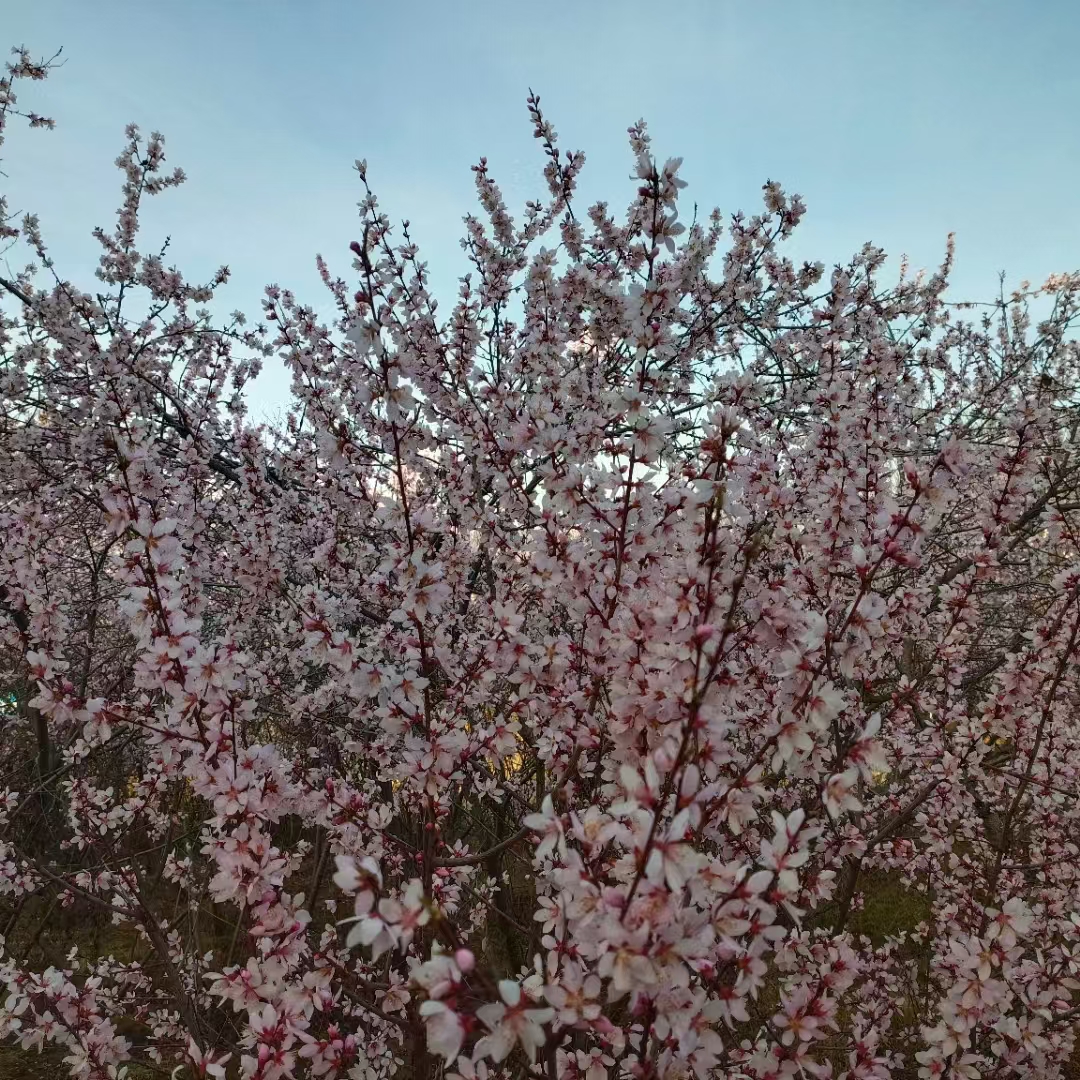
[563, 684]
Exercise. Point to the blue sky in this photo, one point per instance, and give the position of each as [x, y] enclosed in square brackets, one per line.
[897, 121]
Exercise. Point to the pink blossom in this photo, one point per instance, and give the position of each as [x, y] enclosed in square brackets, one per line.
[511, 1022]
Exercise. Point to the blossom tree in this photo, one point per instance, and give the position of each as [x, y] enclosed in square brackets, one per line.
[549, 694]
